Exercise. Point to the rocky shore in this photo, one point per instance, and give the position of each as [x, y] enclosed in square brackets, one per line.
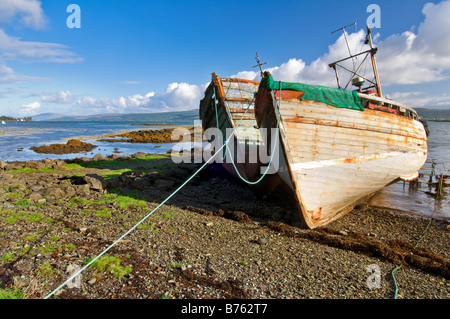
[213, 240]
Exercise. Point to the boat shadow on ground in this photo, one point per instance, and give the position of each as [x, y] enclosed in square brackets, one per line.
[156, 177]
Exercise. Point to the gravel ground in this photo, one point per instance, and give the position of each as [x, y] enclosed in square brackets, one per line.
[213, 240]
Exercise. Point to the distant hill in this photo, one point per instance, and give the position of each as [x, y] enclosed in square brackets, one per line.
[184, 117]
[47, 116]
[434, 114]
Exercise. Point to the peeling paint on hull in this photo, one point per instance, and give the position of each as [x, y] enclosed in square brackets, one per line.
[338, 157]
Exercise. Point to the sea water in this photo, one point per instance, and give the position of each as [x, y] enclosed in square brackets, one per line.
[16, 138]
[422, 201]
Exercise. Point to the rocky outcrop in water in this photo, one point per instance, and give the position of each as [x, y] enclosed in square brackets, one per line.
[72, 146]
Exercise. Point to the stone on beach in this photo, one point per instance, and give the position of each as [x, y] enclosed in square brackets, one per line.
[95, 182]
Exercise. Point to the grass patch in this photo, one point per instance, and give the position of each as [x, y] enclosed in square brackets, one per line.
[23, 202]
[177, 266]
[168, 214]
[103, 213]
[150, 227]
[49, 248]
[69, 246]
[46, 270]
[12, 293]
[15, 217]
[55, 238]
[110, 264]
[24, 215]
[36, 217]
[72, 166]
[13, 195]
[124, 201]
[31, 170]
[5, 212]
[8, 257]
[31, 238]
[116, 163]
[76, 200]
[121, 201]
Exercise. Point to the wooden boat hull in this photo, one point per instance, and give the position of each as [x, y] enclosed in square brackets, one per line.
[338, 157]
[229, 104]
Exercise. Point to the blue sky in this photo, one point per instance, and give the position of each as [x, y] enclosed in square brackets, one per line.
[155, 56]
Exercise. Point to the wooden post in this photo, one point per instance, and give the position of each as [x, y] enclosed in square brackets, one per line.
[440, 189]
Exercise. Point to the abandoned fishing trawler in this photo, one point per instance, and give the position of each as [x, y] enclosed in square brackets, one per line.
[228, 107]
[340, 146]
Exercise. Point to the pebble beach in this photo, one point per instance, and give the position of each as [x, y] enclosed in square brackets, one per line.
[213, 240]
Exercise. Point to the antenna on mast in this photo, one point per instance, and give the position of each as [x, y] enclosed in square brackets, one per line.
[346, 40]
[259, 64]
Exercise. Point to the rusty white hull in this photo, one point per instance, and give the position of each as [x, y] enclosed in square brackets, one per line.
[228, 106]
[337, 157]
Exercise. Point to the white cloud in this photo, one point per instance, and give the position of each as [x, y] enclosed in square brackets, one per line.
[8, 76]
[317, 72]
[130, 82]
[132, 103]
[30, 109]
[177, 97]
[406, 58]
[417, 99]
[13, 48]
[248, 75]
[62, 97]
[411, 58]
[30, 12]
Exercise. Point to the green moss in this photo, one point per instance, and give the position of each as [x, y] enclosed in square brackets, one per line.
[150, 227]
[76, 200]
[55, 238]
[103, 213]
[178, 265]
[46, 270]
[8, 257]
[32, 238]
[23, 202]
[36, 217]
[49, 248]
[70, 246]
[13, 195]
[112, 265]
[15, 217]
[12, 293]
[168, 214]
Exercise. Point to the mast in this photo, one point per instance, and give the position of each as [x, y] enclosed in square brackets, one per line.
[259, 64]
[356, 78]
[374, 64]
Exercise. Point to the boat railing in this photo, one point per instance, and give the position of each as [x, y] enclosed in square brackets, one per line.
[387, 105]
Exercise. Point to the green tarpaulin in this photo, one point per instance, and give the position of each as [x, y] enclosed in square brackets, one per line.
[331, 96]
